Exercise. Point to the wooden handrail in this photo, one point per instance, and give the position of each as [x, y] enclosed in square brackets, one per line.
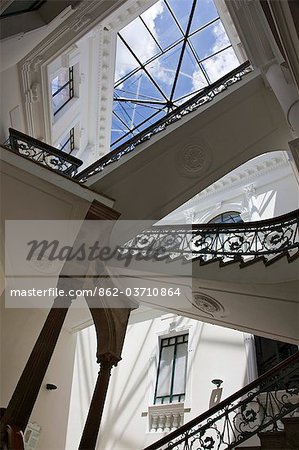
[240, 393]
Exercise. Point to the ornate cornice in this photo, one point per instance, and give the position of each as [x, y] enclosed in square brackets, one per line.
[78, 21]
[87, 17]
[245, 174]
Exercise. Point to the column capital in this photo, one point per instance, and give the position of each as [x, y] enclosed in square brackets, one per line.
[249, 191]
[108, 360]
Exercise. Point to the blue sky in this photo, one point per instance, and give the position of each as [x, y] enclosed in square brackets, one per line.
[155, 70]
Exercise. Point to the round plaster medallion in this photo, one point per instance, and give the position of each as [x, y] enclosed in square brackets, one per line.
[192, 160]
[207, 304]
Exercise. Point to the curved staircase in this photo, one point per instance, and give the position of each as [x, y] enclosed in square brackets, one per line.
[262, 409]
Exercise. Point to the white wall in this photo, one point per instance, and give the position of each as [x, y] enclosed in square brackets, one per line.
[212, 351]
[32, 192]
[19, 331]
[11, 104]
[262, 188]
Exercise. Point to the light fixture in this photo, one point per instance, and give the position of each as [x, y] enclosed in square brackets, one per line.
[51, 387]
[217, 382]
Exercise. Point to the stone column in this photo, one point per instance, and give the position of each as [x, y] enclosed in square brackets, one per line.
[286, 93]
[111, 325]
[24, 397]
[265, 50]
[93, 421]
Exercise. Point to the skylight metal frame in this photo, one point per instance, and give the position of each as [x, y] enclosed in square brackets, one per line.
[168, 102]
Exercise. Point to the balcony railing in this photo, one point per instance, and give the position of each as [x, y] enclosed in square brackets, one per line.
[42, 153]
[258, 407]
[233, 242]
[57, 160]
[202, 98]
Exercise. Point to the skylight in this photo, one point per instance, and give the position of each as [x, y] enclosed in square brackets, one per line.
[165, 56]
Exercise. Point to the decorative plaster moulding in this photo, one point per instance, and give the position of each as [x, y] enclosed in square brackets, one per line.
[193, 160]
[255, 33]
[166, 417]
[208, 305]
[243, 176]
[102, 19]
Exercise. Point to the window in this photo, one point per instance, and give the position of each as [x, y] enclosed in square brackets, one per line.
[269, 353]
[68, 143]
[227, 217]
[62, 89]
[221, 243]
[171, 376]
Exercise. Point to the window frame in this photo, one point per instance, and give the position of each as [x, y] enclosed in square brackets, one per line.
[181, 396]
[226, 213]
[70, 84]
[71, 140]
[280, 351]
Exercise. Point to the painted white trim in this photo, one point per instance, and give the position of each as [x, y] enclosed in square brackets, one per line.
[251, 366]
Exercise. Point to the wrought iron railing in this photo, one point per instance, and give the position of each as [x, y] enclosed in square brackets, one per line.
[205, 96]
[258, 407]
[232, 242]
[42, 153]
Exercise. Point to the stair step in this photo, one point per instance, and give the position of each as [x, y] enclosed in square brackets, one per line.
[272, 440]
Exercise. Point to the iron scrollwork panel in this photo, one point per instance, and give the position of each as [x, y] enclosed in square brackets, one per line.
[43, 153]
[243, 242]
[260, 409]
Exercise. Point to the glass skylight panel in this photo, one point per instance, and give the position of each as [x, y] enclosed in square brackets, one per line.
[219, 65]
[205, 12]
[125, 61]
[171, 52]
[139, 40]
[163, 69]
[139, 87]
[181, 10]
[121, 132]
[210, 40]
[118, 129]
[191, 78]
[163, 26]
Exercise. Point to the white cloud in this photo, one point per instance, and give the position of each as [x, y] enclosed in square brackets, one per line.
[137, 38]
[134, 34]
[145, 47]
[218, 65]
[151, 14]
[198, 80]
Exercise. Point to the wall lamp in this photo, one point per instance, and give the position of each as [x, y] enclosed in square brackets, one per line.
[217, 382]
[51, 387]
